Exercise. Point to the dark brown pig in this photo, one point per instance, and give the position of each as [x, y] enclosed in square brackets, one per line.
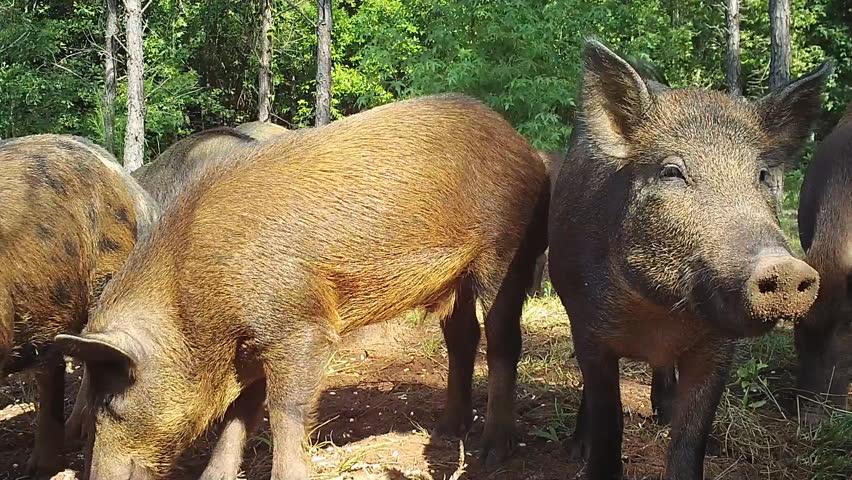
[824, 336]
[246, 285]
[262, 131]
[665, 244]
[68, 220]
[168, 174]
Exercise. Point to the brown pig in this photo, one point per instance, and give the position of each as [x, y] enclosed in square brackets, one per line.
[167, 176]
[824, 336]
[69, 216]
[244, 288]
[262, 131]
[665, 244]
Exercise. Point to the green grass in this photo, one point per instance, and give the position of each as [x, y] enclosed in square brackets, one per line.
[831, 453]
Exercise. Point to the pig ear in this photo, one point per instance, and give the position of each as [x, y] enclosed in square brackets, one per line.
[109, 349]
[615, 99]
[789, 113]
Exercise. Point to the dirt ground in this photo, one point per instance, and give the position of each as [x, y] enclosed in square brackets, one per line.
[385, 390]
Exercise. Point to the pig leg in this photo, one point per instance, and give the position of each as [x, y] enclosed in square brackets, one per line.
[538, 276]
[578, 445]
[702, 375]
[74, 424]
[600, 422]
[461, 333]
[240, 419]
[46, 458]
[663, 387]
[293, 375]
[503, 332]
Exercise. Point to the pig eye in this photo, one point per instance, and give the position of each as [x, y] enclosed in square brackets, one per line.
[671, 172]
[765, 178]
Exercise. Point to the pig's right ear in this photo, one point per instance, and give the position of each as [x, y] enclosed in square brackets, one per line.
[107, 349]
[615, 100]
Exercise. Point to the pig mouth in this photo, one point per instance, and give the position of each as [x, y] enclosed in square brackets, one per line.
[726, 311]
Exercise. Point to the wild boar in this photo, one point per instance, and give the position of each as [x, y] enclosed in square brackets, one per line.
[262, 131]
[824, 336]
[665, 244]
[69, 216]
[168, 174]
[263, 263]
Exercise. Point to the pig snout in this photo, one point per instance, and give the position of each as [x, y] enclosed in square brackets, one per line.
[780, 287]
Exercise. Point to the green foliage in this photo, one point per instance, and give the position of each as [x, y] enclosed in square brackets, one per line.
[558, 428]
[750, 379]
[520, 57]
[48, 67]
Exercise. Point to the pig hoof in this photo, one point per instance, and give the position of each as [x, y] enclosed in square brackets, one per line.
[451, 426]
[39, 468]
[496, 448]
[577, 449]
[73, 442]
[663, 416]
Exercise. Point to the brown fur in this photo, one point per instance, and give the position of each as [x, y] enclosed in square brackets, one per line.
[262, 131]
[67, 224]
[168, 175]
[263, 263]
[824, 337]
[665, 244]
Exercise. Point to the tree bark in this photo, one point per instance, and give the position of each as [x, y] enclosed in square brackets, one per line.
[109, 75]
[134, 138]
[324, 26]
[733, 60]
[780, 59]
[265, 72]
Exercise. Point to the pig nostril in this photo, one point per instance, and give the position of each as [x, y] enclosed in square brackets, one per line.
[806, 284]
[767, 285]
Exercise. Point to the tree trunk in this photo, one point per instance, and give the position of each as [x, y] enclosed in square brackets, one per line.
[733, 59]
[109, 75]
[324, 26]
[780, 59]
[134, 138]
[674, 11]
[264, 74]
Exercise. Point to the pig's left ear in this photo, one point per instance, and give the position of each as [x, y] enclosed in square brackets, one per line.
[108, 349]
[615, 99]
[788, 114]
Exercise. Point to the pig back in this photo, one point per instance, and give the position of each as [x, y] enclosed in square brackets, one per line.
[362, 218]
[168, 175]
[262, 131]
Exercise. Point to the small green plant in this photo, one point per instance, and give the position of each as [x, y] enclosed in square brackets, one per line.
[546, 289]
[432, 346]
[750, 378]
[557, 427]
